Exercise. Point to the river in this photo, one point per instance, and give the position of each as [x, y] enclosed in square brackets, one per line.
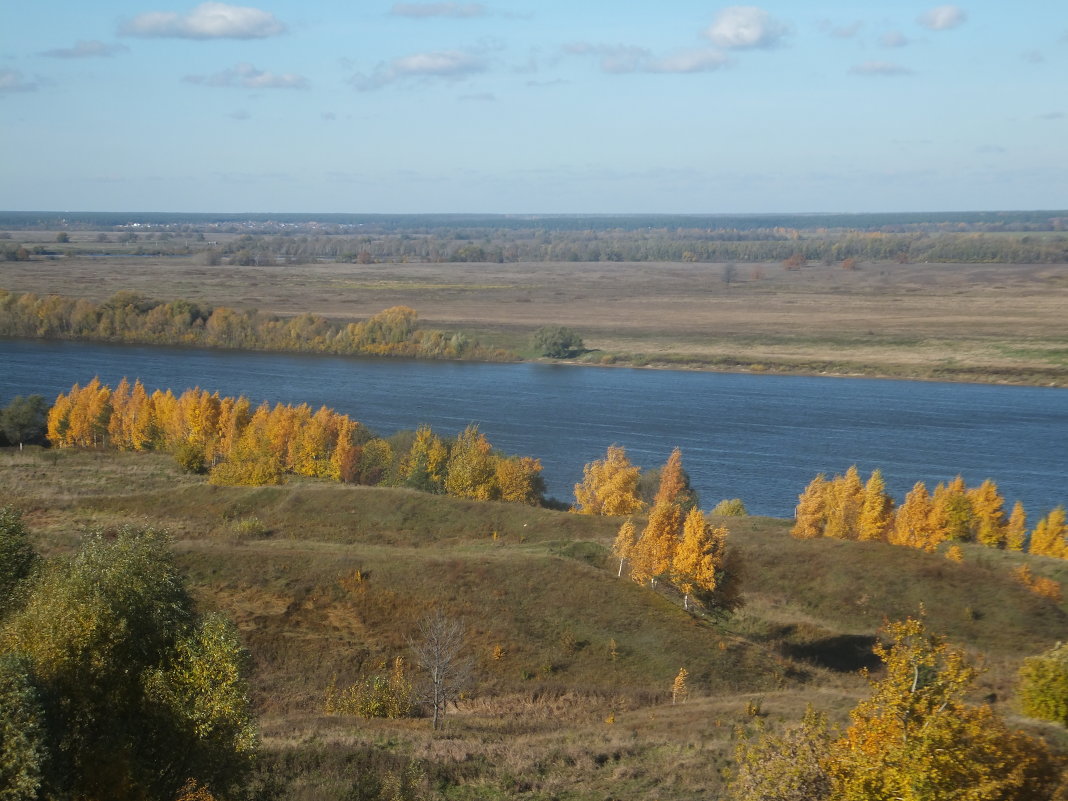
[756, 437]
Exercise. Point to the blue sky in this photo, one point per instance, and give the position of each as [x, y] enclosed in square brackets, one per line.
[533, 106]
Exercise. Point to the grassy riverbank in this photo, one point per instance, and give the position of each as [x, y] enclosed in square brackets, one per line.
[962, 322]
[573, 666]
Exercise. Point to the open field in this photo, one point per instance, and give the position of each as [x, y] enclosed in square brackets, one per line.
[986, 322]
[576, 704]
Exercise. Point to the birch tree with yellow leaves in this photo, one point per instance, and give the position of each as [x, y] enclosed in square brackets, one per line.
[609, 486]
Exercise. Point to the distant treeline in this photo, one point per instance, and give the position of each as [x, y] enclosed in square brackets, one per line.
[736, 245]
[1051, 220]
[1010, 237]
[129, 317]
[237, 444]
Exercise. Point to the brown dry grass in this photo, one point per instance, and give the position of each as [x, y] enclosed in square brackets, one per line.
[536, 724]
[971, 321]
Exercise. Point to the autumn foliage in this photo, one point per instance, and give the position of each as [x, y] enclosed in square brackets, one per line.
[680, 548]
[843, 508]
[238, 445]
[130, 317]
[915, 738]
[609, 486]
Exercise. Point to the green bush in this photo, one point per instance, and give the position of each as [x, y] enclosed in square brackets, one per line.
[1043, 687]
[731, 507]
[556, 342]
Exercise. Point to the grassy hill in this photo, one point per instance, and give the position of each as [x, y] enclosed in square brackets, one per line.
[573, 665]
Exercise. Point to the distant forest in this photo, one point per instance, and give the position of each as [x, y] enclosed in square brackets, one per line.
[975, 237]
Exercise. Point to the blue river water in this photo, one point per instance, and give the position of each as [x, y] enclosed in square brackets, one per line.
[756, 437]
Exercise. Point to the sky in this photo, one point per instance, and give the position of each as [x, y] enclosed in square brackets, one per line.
[534, 106]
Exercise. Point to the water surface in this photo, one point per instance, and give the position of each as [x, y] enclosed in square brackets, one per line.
[760, 438]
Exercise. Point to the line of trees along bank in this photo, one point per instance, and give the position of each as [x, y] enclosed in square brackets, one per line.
[131, 318]
[239, 445]
[847, 508]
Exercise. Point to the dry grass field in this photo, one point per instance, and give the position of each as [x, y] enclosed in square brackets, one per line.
[576, 703]
[984, 322]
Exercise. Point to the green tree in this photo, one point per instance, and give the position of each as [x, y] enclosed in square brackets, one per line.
[790, 766]
[23, 420]
[139, 695]
[556, 342]
[17, 558]
[23, 751]
[1043, 687]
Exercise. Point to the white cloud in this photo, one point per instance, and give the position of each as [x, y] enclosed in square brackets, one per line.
[206, 21]
[622, 59]
[942, 18]
[424, 10]
[690, 61]
[453, 65]
[246, 76]
[12, 81]
[90, 49]
[894, 39]
[1033, 57]
[1052, 116]
[744, 27]
[880, 68]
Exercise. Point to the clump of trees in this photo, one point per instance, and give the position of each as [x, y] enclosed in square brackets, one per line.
[112, 685]
[847, 508]
[914, 738]
[609, 486]
[23, 420]
[238, 445]
[556, 342]
[679, 546]
[130, 317]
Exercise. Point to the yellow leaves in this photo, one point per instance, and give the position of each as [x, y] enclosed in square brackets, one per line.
[610, 486]
[672, 482]
[700, 554]
[679, 691]
[915, 739]
[811, 513]
[1039, 585]
[655, 549]
[471, 466]
[1050, 537]
[519, 480]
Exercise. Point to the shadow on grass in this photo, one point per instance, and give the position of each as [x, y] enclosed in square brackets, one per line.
[846, 653]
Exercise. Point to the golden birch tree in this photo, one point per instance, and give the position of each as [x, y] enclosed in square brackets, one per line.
[810, 517]
[915, 738]
[699, 557]
[425, 465]
[471, 467]
[624, 543]
[989, 509]
[912, 523]
[845, 499]
[1050, 537]
[655, 550]
[876, 511]
[672, 482]
[609, 486]
[517, 479]
[1016, 528]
